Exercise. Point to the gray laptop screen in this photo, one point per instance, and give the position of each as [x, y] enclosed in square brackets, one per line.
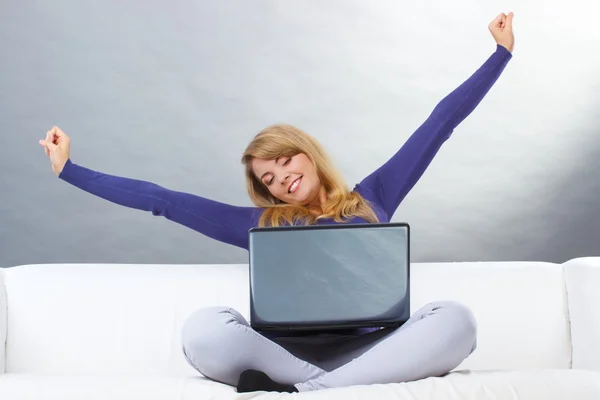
[325, 275]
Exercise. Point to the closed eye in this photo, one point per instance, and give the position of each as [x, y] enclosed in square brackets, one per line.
[286, 162]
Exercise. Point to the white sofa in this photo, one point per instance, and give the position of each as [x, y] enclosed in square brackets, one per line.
[108, 331]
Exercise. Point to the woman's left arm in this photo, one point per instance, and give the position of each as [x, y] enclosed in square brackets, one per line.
[391, 182]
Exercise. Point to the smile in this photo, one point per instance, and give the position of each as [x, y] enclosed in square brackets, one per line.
[295, 185]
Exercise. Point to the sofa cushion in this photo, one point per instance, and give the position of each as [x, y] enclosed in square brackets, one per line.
[520, 307]
[583, 286]
[464, 385]
[111, 318]
[32, 387]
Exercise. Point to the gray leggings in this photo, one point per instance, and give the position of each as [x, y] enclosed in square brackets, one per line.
[220, 344]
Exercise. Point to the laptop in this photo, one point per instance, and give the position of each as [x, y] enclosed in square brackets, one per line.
[328, 277]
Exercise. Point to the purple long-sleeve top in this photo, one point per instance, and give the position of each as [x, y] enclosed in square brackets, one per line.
[384, 188]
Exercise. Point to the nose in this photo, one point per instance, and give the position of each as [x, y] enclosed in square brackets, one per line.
[284, 177]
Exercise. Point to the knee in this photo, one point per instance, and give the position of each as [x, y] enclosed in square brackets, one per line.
[206, 331]
[461, 320]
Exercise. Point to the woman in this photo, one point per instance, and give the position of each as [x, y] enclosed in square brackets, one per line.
[291, 181]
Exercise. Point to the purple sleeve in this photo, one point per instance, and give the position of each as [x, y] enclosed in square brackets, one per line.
[390, 183]
[223, 222]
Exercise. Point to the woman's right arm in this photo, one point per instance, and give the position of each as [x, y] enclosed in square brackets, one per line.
[220, 221]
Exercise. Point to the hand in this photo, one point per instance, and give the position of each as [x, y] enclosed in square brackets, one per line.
[502, 30]
[56, 145]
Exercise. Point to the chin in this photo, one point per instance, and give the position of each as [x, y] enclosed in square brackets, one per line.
[308, 200]
[303, 198]
[298, 201]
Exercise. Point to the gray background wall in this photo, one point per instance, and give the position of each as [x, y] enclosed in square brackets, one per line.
[171, 92]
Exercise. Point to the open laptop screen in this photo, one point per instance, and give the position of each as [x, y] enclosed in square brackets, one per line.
[330, 275]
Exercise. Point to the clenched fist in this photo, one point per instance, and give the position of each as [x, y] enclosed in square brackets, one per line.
[502, 30]
[56, 145]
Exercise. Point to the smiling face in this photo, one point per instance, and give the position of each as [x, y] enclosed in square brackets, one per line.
[293, 180]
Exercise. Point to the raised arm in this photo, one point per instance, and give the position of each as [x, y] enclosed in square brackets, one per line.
[220, 221]
[390, 183]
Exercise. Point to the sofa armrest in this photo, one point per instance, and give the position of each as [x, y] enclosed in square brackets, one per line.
[3, 322]
[582, 279]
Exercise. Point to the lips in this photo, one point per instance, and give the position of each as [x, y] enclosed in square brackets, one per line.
[295, 185]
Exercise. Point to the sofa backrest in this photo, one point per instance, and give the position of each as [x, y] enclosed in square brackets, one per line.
[583, 286]
[112, 319]
[521, 309]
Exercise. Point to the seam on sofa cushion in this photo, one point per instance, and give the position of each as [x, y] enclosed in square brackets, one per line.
[568, 313]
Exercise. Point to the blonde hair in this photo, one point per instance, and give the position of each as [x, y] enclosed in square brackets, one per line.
[285, 141]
